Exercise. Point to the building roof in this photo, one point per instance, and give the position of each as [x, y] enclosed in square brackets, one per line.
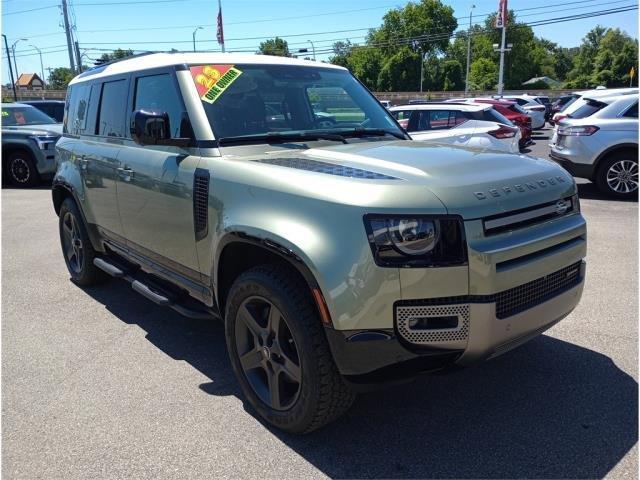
[547, 80]
[157, 60]
[25, 79]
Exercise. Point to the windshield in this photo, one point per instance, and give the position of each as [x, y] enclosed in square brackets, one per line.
[589, 108]
[24, 115]
[283, 100]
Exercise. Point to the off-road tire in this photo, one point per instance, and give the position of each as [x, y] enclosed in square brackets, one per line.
[21, 169]
[603, 169]
[88, 274]
[323, 394]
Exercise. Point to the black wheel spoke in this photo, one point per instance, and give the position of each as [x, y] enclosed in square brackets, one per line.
[291, 369]
[273, 324]
[248, 319]
[251, 360]
[274, 388]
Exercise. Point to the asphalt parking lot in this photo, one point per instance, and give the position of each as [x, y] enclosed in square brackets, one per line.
[101, 383]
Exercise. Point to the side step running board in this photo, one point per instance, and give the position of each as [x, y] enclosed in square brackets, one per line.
[154, 295]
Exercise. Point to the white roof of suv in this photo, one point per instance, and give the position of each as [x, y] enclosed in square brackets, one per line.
[463, 107]
[157, 60]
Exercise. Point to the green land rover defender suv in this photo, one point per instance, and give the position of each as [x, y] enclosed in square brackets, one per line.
[279, 196]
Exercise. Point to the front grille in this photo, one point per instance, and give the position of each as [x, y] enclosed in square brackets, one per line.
[525, 296]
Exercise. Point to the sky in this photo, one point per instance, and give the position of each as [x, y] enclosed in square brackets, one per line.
[167, 24]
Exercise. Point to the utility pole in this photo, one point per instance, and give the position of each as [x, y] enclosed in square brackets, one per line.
[13, 83]
[501, 22]
[466, 78]
[422, 55]
[67, 31]
[502, 50]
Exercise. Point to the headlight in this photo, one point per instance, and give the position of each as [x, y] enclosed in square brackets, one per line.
[416, 241]
[44, 142]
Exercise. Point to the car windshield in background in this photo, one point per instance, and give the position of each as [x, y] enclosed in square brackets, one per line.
[492, 115]
[14, 116]
[283, 101]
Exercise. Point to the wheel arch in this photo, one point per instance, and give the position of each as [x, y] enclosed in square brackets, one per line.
[60, 191]
[612, 151]
[239, 251]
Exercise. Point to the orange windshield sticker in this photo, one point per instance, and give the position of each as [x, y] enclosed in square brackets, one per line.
[212, 80]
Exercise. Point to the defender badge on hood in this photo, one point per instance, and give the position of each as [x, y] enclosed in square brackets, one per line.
[519, 187]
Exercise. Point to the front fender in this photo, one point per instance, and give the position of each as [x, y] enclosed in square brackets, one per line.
[330, 240]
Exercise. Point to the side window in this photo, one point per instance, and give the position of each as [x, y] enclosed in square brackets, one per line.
[158, 92]
[72, 93]
[632, 111]
[113, 108]
[439, 120]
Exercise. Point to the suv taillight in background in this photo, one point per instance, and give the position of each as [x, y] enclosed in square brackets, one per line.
[503, 132]
[578, 131]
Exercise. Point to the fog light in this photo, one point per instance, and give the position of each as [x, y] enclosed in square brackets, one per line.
[433, 323]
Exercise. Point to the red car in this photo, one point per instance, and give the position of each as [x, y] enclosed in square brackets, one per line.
[510, 110]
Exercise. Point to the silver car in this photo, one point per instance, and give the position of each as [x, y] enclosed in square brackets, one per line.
[600, 142]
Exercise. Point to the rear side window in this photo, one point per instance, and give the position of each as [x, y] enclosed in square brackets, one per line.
[491, 115]
[436, 120]
[77, 100]
[158, 92]
[589, 108]
[632, 111]
[113, 109]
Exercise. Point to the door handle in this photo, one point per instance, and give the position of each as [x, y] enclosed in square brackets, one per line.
[126, 173]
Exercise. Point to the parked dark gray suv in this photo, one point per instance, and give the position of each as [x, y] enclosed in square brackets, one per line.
[28, 144]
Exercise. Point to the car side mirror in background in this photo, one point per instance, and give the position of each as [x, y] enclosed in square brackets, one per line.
[151, 127]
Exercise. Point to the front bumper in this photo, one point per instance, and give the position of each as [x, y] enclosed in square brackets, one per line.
[483, 332]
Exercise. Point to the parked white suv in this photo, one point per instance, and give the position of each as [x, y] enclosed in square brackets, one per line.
[600, 142]
[533, 108]
[462, 124]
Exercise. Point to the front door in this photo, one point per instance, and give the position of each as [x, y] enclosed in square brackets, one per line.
[155, 184]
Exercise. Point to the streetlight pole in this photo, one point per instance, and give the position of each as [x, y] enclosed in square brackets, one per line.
[13, 50]
[466, 78]
[313, 48]
[194, 37]
[13, 83]
[41, 66]
[422, 57]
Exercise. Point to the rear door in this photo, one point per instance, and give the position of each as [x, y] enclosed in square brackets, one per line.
[99, 120]
[155, 187]
[442, 126]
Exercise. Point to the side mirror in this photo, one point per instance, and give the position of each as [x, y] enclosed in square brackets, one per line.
[151, 127]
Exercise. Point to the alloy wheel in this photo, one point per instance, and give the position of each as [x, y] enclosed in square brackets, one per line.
[268, 353]
[622, 176]
[20, 170]
[73, 249]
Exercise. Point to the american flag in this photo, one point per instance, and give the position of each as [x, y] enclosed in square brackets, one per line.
[220, 31]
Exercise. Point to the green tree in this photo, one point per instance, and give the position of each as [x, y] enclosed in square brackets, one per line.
[563, 63]
[59, 78]
[117, 54]
[341, 52]
[400, 72]
[275, 46]
[483, 74]
[365, 64]
[453, 76]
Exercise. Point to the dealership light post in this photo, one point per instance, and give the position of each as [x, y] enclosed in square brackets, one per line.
[194, 37]
[313, 48]
[13, 50]
[13, 83]
[41, 67]
[466, 78]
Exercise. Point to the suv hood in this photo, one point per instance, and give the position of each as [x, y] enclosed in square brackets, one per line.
[471, 183]
[42, 129]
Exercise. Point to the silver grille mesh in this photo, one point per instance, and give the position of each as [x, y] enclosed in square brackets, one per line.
[421, 337]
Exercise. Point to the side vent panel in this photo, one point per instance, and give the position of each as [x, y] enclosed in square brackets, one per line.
[201, 203]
